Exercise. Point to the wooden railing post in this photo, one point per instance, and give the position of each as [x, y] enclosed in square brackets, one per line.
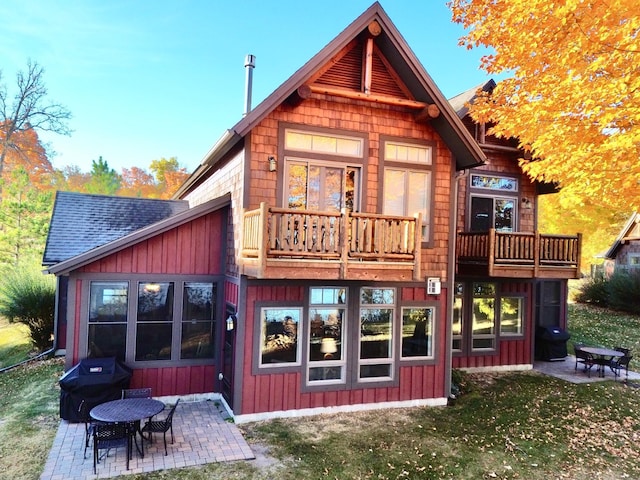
[417, 247]
[345, 229]
[536, 254]
[263, 237]
[491, 248]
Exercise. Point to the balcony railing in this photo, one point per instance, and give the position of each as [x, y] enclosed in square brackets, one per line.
[506, 254]
[276, 240]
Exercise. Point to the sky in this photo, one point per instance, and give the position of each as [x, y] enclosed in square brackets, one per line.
[151, 79]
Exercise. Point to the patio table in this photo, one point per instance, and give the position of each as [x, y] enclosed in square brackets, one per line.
[129, 411]
[602, 356]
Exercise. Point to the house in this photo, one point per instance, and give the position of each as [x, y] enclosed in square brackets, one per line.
[348, 242]
[624, 253]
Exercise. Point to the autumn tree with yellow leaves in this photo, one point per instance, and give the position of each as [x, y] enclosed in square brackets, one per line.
[572, 96]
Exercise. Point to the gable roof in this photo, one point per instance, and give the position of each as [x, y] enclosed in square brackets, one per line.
[630, 231]
[81, 222]
[460, 102]
[140, 235]
[412, 75]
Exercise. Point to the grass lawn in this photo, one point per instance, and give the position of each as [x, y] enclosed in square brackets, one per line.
[511, 425]
[14, 343]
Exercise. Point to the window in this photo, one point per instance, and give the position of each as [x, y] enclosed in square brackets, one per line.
[458, 316]
[511, 312]
[483, 324]
[198, 307]
[417, 332]
[493, 203]
[165, 321]
[108, 306]
[154, 321]
[408, 182]
[327, 346]
[312, 185]
[320, 173]
[377, 307]
[634, 260]
[279, 333]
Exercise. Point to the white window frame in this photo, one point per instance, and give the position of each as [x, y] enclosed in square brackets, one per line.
[410, 158]
[390, 359]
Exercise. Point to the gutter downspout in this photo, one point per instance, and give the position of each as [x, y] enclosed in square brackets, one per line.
[453, 235]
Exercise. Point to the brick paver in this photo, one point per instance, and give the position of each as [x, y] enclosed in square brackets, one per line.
[202, 432]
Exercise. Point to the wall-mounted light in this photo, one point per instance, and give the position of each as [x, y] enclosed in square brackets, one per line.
[526, 203]
[231, 322]
[273, 164]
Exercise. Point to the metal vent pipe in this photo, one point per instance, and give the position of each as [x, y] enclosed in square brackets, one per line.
[249, 65]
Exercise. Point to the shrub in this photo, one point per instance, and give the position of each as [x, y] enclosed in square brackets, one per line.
[594, 290]
[624, 292]
[460, 383]
[27, 296]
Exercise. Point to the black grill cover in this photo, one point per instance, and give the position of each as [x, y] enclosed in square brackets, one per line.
[551, 343]
[94, 381]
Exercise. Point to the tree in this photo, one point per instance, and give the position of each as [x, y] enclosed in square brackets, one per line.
[24, 220]
[573, 99]
[104, 180]
[27, 296]
[169, 175]
[136, 182]
[27, 110]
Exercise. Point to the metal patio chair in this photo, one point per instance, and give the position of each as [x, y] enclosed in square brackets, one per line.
[161, 426]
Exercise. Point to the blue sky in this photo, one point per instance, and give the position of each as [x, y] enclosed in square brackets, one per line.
[156, 78]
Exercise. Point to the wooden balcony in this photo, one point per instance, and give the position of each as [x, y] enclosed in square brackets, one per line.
[518, 255]
[297, 244]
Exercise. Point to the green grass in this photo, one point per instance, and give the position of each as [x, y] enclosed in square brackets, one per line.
[15, 344]
[601, 327]
[509, 426]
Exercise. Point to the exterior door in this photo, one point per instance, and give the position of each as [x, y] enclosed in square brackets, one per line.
[228, 354]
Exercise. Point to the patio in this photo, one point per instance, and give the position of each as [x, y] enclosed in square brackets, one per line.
[565, 370]
[202, 434]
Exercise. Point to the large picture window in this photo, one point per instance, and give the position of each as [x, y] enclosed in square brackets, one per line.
[171, 320]
[198, 310]
[322, 171]
[458, 318]
[108, 307]
[408, 182]
[377, 308]
[417, 332]
[154, 331]
[511, 313]
[327, 345]
[279, 334]
[483, 322]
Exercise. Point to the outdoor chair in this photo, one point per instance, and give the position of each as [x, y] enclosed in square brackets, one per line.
[621, 363]
[586, 359]
[161, 426]
[110, 435]
[136, 393]
[89, 424]
[144, 392]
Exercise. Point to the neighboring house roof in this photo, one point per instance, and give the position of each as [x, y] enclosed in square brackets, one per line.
[140, 234]
[630, 231]
[81, 222]
[403, 61]
[460, 103]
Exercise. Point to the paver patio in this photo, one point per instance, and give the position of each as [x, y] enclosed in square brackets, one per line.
[202, 431]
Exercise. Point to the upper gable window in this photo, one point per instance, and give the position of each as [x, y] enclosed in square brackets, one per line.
[325, 144]
[407, 153]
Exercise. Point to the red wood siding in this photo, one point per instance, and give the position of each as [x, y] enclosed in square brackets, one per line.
[190, 249]
[276, 391]
[193, 248]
